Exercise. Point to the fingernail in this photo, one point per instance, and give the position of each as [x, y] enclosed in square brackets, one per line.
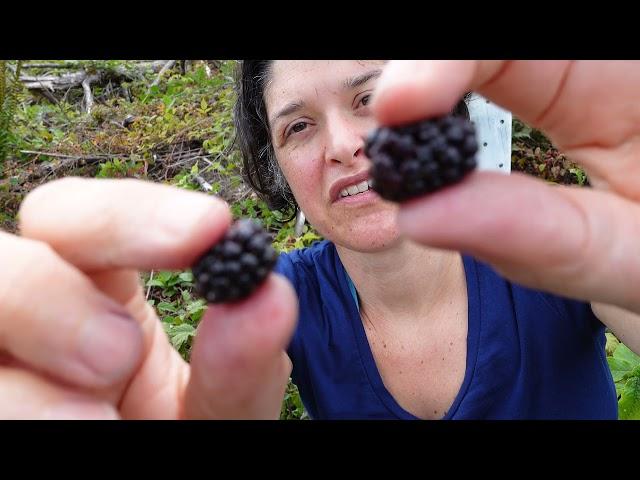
[110, 346]
[80, 410]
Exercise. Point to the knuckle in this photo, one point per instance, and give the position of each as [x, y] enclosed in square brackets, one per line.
[28, 266]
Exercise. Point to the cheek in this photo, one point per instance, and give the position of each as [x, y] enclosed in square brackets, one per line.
[304, 175]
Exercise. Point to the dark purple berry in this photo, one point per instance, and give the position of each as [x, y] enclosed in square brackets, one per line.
[412, 160]
[234, 267]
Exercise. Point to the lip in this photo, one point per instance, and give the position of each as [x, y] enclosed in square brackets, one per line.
[359, 199]
[338, 185]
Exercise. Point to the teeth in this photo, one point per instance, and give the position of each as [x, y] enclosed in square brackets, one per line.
[355, 189]
[352, 189]
[363, 186]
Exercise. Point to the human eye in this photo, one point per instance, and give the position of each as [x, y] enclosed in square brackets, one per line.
[363, 100]
[295, 127]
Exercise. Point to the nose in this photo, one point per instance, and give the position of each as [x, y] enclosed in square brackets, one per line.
[345, 140]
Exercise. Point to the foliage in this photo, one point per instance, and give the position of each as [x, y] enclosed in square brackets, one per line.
[10, 87]
[625, 369]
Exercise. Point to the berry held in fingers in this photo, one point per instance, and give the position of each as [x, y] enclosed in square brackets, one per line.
[235, 267]
[412, 160]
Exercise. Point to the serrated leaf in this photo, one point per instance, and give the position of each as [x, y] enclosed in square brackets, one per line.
[196, 306]
[166, 307]
[180, 334]
[619, 368]
[154, 282]
[629, 404]
[623, 353]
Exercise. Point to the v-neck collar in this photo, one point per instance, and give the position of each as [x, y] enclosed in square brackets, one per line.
[366, 355]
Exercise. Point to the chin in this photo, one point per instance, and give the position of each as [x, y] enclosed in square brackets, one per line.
[370, 245]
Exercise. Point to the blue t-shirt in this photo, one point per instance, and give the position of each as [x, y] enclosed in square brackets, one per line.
[530, 355]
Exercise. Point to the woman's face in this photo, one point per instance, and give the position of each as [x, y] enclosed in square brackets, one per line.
[319, 115]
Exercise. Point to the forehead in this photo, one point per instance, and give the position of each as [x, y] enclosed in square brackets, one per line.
[291, 79]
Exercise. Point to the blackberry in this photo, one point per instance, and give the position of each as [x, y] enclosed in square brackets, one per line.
[412, 160]
[234, 267]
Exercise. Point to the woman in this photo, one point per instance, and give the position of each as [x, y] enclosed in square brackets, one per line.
[78, 339]
[389, 328]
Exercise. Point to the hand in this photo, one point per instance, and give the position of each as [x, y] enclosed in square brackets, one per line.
[578, 242]
[79, 340]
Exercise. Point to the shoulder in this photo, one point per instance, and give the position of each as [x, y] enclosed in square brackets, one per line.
[307, 264]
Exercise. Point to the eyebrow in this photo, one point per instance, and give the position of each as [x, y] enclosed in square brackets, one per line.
[355, 82]
[288, 110]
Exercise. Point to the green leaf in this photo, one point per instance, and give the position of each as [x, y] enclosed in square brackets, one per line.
[186, 296]
[167, 307]
[619, 368]
[180, 334]
[154, 282]
[629, 404]
[196, 306]
[164, 276]
[186, 276]
[623, 353]
[612, 343]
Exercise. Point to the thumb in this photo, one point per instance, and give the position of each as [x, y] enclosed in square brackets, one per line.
[577, 242]
[239, 368]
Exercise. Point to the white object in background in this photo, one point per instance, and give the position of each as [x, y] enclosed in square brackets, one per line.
[493, 130]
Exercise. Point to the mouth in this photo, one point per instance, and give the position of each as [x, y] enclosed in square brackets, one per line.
[355, 189]
[352, 187]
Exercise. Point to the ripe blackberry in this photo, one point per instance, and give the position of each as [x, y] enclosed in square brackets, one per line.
[234, 267]
[411, 160]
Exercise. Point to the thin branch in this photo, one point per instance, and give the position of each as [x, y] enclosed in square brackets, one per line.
[51, 65]
[64, 155]
[50, 96]
[206, 186]
[88, 96]
[162, 71]
[149, 288]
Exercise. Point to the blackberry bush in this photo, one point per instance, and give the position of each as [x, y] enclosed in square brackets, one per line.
[234, 267]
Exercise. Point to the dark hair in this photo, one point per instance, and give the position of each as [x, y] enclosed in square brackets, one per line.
[253, 136]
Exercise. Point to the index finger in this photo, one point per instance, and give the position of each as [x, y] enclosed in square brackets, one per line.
[587, 108]
[100, 224]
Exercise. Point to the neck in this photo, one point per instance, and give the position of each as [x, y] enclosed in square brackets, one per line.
[405, 282]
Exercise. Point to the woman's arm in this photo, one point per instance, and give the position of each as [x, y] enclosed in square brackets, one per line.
[624, 324]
